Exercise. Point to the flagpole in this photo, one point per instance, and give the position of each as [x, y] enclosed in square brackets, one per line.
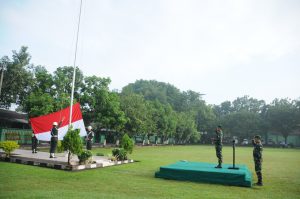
[74, 66]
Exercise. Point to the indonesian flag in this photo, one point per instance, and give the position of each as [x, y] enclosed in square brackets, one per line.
[42, 125]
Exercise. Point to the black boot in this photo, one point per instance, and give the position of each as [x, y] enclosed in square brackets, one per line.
[219, 165]
[259, 179]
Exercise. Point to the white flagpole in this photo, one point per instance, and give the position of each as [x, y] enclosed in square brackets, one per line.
[74, 65]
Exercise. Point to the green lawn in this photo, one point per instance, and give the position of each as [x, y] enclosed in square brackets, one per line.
[281, 172]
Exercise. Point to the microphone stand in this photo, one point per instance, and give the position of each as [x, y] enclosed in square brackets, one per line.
[233, 164]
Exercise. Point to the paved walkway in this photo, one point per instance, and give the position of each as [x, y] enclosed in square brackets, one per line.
[61, 158]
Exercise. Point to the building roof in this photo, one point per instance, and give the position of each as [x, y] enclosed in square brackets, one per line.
[13, 116]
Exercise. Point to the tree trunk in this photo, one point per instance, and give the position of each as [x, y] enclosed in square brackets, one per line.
[69, 158]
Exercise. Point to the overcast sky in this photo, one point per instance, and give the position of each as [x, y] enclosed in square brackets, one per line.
[225, 49]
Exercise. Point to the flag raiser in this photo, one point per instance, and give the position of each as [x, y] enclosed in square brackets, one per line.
[42, 125]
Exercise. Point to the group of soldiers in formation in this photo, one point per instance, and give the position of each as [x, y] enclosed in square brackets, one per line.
[257, 153]
[257, 150]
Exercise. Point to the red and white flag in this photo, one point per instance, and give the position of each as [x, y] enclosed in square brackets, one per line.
[42, 125]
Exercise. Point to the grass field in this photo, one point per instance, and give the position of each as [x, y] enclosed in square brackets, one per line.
[281, 172]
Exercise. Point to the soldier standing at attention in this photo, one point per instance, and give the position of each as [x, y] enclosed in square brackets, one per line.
[54, 137]
[218, 144]
[257, 156]
[89, 138]
[34, 142]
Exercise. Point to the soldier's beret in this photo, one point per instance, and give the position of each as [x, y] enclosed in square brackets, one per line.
[219, 126]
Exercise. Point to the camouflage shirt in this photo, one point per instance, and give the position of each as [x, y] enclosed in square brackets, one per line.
[219, 137]
[257, 150]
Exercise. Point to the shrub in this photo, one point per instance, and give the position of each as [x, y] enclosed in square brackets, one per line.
[59, 148]
[99, 154]
[111, 157]
[85, 157]
[127, 143]
[8, 147]
[72, 142]
[119, 153]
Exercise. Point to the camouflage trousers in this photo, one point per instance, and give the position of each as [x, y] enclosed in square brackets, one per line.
[219, 153]
[257, 163]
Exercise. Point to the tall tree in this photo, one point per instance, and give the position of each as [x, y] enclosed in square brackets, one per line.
[63, 81]
[135, 109]
[243, 124]
[154, 90]
[39, 103]
[43, 80]
[44, 98]
[186, 131]
[18, 78]
[225, 108]
[100, 106]
[247, 103]
[164, 118]
[282, 115]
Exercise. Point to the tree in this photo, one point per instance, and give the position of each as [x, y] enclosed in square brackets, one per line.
[186, 131]
[135, 109]
[265, 123]
[205, 119]
[242, 124]
[39, 103]
[43, 80]
[225, 108]
[72, 143]
[247, 104]
[62, 79]
[153, 90]
[164, 118]
[101, 106]
[18, 78]
[127, 143]
[282, 115]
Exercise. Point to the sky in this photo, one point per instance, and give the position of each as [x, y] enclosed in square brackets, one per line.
[223, 49]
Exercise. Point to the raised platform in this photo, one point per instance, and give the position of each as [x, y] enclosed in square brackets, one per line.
[207, 173]
[42, 159]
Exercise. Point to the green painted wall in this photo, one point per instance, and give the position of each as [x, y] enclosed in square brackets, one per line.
[22, 136]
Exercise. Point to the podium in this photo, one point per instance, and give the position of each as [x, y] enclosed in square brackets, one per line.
[206, 173]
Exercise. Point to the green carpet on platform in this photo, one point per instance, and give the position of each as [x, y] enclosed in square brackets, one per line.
[207, 173]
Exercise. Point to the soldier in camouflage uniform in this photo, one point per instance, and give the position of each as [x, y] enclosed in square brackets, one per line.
[218, 144]
[257, 156]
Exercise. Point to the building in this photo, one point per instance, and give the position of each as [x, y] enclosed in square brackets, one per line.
[14, 126]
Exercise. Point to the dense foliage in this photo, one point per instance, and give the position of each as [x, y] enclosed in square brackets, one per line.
[8, 147]
[143, 108]
[72, 143]
[120, 154]
[127, 143]
[85, 157]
